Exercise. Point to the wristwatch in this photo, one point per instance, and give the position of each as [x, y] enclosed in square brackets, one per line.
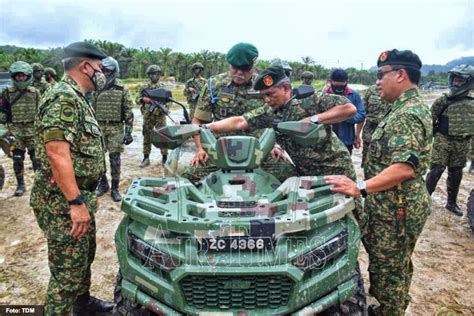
[77, 201]
[314, 119]
[362, 186]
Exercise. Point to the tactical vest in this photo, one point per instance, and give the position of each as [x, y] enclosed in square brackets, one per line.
[24, 110]
[460, 117]
[108, 106]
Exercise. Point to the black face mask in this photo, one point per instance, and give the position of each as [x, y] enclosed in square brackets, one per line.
[338, 89]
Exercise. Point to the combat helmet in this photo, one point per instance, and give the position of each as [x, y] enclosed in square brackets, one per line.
[38, 70]
[153, 69]
[21, 67]
[111, 64]
[50, 71]
[283, 64]
[197, 65]
[307, 75]
[461, 71]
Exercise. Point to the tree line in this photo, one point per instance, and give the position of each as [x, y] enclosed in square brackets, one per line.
[134, 62]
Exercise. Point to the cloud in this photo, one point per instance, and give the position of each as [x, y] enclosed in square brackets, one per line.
[462, 34]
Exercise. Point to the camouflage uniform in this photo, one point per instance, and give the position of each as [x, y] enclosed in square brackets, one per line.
[396, 216]
[451, 144]
[41, 85]
[20, 121]
[331, 158]
[198, 84]
[156, 119]
[232, 100]
[375, 108]
[113, 110]
[66, 115]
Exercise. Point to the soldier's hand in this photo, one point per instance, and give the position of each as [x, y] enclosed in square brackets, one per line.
[278, 154]
[127, 139]
[146, 100]
[80, 220]
[357, 141]
[343, 184]
[191, 89]
[200, 158]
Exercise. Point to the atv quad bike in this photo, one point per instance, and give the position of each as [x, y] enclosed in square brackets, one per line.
[240, 242]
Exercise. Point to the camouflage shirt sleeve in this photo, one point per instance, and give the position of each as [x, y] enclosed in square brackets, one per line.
[325, 101]
[437, 107]
[261, 117]
[407, 139]
[128, 105]
[203, 110]
[138, 99]
[4, 107]
[58, 119]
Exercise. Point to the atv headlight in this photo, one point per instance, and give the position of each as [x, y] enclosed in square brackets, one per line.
[318, 257]
[150, 255]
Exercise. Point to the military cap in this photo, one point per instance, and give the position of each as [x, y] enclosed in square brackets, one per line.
[37, 67]
[270, 77]
[83, 49]
[242, 55]
[339, 75]
[395, 57]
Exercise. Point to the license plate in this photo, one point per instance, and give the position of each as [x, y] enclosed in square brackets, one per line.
[229, 243]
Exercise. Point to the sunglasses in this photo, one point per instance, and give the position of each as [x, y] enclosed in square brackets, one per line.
[381, 74]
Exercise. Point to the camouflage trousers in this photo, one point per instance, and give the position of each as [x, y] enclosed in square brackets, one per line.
[471, 155]
[151, 121]
[69, 259]
[113, 134]
[449, 152]
[24, 136]
[390, 239]
[192, 108]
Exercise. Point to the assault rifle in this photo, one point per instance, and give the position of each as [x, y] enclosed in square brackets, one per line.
[195, 95]
[159, 97]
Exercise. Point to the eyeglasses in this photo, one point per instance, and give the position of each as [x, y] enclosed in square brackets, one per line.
[381, 74]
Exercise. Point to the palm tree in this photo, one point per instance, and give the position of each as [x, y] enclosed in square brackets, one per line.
[164, 55]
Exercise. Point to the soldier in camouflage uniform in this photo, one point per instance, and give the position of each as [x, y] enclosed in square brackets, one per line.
[113, 110]
[453, 121]
[331, 157]
[375, 108]
[307, 77]
[18, 107]
[397, 203]
[193, 87]
[153, 119]
[229, 94]
[39, 82]
[68, 142]
[471, 155]
[50, 75]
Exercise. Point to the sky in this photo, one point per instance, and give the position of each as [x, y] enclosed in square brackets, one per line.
[334, 33]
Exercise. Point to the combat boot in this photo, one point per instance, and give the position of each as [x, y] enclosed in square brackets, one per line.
[89, 305]
[18, 167]
[164, 159]
[114, 193]
[471, 168]
[103, 186]
[433, 176]
[145, 161]
[453, 182]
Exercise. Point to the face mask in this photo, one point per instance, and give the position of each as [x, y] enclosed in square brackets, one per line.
[98, 79]
[154, 78]
[338, 89]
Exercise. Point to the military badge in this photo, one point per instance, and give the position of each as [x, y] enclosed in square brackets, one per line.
[383, 56]
[67, 113]
[267, 80]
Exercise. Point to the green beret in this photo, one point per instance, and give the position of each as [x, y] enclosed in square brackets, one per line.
[270, 77]
[83, 49]
[395, 57]
[242, 55]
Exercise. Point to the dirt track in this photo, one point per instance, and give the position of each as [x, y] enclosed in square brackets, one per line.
[443, 282]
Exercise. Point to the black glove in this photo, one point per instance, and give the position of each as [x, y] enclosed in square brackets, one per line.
[127, 139]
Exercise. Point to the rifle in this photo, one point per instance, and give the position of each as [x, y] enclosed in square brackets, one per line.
[158, 97]
[195, 95]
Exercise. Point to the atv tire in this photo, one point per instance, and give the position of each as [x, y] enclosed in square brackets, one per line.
[123, 306]
[355, 305]
[470, 210]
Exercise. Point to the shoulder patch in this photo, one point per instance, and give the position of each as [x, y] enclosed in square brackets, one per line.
[67, 112]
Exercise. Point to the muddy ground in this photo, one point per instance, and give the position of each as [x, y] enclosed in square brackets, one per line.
[443, 281]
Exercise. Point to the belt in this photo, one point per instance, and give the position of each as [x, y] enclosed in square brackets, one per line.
[87, 184]
[371, 125]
